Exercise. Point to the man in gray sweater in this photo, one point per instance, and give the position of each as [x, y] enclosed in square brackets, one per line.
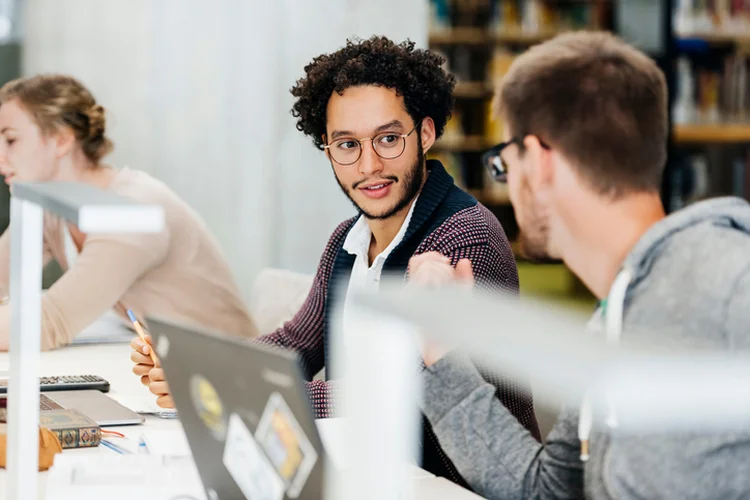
[586, 125]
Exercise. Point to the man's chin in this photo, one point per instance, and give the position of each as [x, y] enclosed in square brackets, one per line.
[376, 209]
[376, 213]
[536, 251]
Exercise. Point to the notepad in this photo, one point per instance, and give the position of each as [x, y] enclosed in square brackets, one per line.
[122, 477]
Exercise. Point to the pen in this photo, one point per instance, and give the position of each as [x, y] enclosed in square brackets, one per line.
[141, 334]
[114, 447]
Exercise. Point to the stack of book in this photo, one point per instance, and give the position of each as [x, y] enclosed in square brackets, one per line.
[548, 16]
[702, 17]
[711, 94]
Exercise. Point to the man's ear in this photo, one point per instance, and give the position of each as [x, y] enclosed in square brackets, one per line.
[542, 167]
[427, 133]
[325, 150]
[65, 141]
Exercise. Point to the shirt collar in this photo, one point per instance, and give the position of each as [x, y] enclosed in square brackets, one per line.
[357, 242]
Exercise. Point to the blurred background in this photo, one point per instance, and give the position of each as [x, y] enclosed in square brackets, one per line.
[197, 95]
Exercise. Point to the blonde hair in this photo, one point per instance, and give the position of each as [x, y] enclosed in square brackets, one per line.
[57, 101]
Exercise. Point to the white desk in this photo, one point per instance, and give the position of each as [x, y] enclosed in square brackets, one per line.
[112, 362]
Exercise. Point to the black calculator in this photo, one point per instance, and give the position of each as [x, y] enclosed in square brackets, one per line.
[66, 383]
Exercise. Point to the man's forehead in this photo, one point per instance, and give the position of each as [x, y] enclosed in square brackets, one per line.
[364, 109]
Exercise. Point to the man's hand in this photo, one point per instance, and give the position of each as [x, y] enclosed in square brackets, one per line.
[434, 269]
[152, 375]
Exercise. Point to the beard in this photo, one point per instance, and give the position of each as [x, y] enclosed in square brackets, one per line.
[533, 234]
[412, 182]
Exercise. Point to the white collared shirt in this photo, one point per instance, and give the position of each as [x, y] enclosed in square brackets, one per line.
[364, 276]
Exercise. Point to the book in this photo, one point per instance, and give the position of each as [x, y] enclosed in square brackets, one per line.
[74, 429]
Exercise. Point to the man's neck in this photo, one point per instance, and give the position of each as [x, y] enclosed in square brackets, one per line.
[384, 231]
[601, 242]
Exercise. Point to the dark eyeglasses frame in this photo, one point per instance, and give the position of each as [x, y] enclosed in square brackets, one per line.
[493, 160]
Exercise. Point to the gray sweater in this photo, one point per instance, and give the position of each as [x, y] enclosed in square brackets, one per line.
[690, 286]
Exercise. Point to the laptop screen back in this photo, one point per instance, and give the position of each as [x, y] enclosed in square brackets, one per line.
[245, 411]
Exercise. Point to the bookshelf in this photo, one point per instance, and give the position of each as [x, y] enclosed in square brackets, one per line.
[717, 37]
[513, 35]
[479, 39]
[711, 140]
[473, 90]
[712, 133]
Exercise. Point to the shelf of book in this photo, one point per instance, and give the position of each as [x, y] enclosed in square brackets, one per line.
[460, 36]
[484, 36]
[708, 133]
[516, 35]
[712, 133]
[717, 37]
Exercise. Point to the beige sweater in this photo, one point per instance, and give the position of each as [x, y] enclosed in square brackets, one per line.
[179, 273]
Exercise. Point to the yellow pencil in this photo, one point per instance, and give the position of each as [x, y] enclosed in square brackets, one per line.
[141, 334]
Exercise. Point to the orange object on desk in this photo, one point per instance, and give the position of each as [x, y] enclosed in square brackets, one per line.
[49, 446]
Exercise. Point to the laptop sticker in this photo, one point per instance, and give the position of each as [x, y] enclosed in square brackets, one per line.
[286, 445]
[247, 464]
[208, 406]
[162, 346]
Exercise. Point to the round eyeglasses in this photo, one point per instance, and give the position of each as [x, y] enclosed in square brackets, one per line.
[386, 145]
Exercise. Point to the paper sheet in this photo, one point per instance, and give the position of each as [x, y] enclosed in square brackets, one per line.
[109, 329]
[145, 404]
[171, 442]
[122, 477]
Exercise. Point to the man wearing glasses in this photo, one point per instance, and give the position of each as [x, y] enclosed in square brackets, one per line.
[375, 108]
[586, 122]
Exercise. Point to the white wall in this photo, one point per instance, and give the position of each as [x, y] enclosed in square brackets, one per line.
[198, 94]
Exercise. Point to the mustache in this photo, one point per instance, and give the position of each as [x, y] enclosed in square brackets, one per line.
[385, 178]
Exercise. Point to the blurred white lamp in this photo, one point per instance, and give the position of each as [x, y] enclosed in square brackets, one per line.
[654, 389]
[93, 211]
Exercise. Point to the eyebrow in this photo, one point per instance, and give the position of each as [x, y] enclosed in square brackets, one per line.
[5, 129]
[390, 125]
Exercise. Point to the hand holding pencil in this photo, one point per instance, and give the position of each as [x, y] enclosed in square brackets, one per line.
[146, 349]
[147, 365]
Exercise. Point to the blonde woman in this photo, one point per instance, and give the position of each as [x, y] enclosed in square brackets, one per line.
[52, 129]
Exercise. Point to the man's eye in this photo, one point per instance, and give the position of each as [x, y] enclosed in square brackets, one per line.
[388, 139]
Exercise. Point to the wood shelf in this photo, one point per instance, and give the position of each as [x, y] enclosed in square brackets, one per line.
[718, 37]
[490, 198]
[460, 36]
[473, 90]
[710, 133]
[483, 36]
[466, 144]
[519, 36]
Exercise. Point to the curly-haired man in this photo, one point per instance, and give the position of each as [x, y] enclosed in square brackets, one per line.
[375, 107]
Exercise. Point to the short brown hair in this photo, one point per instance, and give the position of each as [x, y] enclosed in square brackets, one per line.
[597, 100]
[62, 101]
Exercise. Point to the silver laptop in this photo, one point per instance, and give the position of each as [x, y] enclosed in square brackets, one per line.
[99, 407]
[246, 413]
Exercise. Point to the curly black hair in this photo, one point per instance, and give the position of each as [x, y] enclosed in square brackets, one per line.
[415, 74]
